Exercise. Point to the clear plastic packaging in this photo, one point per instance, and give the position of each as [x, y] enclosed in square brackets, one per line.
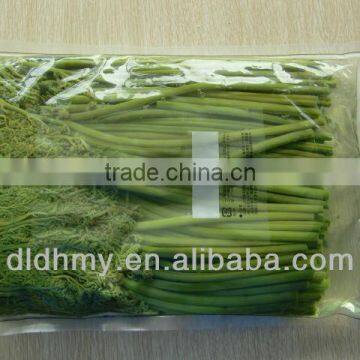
[58, 113]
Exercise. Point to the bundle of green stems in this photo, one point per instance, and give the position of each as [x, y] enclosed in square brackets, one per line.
[149, 107]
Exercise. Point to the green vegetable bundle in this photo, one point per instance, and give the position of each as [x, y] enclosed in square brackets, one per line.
[148, 107]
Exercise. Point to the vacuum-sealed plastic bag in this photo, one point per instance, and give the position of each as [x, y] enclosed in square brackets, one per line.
[131, 185]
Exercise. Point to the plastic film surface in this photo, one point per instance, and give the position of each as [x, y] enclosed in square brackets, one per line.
[150, 107]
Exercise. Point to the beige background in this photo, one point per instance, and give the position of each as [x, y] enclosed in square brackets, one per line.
[196, 26]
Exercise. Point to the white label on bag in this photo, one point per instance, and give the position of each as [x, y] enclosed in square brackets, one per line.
[205, 199]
